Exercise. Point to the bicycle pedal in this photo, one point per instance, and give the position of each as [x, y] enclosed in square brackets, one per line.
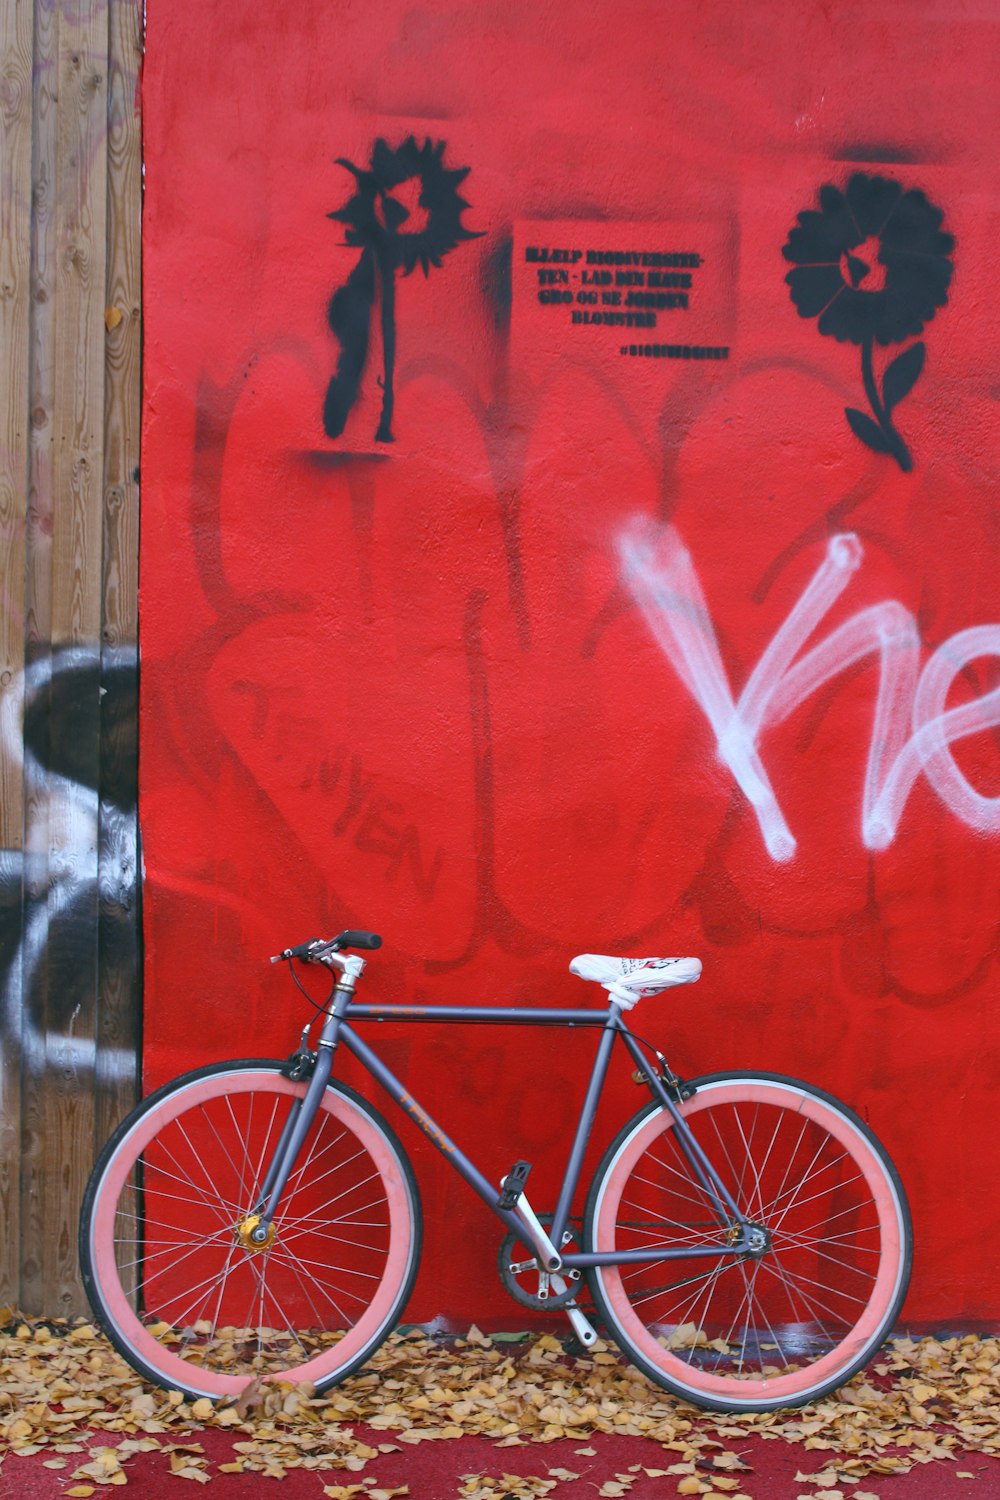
[513, 1185]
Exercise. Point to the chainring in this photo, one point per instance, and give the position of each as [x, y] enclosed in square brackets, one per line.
[525, 1282]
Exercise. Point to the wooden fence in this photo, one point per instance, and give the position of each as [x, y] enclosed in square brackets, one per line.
[70, 201]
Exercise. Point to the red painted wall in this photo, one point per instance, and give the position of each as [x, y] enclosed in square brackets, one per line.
[468, 687]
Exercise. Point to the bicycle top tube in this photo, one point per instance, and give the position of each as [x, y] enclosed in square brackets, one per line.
[494, 1015]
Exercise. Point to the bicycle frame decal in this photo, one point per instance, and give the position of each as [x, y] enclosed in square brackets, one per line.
[426, 1124]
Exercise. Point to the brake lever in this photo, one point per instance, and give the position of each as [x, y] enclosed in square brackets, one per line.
[302, 951]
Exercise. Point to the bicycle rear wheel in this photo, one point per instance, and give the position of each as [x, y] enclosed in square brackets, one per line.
[180, 1290]
[797, 1319]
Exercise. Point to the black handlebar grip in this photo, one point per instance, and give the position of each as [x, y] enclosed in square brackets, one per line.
[354, 938]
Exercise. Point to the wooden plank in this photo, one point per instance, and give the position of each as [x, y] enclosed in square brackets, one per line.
[16, 43]
[70, 1000]
[81, 208]
[68, 914]
[123, 316]
[37, 633]
[38, 598]
[11, 891]
[16, 46]
[119, 949]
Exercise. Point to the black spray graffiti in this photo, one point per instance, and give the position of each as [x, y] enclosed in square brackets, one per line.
[872, 265]
[405, 211]
[79, 864]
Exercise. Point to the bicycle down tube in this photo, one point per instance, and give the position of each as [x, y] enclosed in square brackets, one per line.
[337, 1027]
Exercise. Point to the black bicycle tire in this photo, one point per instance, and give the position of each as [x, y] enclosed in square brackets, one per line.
[91, 1282]
[607, 1316]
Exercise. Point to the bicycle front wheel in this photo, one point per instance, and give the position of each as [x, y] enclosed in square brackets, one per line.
[166, 1255]
[809, 1307]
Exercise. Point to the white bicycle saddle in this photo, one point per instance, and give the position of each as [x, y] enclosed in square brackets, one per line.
[629, 979]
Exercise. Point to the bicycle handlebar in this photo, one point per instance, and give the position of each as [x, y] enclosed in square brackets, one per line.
[315, 949]
[354, 937]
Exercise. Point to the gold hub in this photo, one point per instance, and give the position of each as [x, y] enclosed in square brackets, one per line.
[244, 1233]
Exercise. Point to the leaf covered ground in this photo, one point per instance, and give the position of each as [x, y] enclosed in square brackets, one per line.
[63, 1389]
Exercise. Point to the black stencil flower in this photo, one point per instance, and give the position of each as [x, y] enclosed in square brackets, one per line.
[405, 211]
[872, 266]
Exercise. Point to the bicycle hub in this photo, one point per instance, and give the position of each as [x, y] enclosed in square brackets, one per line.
[253, 1235]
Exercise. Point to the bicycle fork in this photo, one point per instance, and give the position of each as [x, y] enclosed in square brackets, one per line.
[257, 1229]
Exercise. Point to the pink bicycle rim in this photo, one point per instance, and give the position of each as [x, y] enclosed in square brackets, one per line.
[754, 1390]
[161, 1358]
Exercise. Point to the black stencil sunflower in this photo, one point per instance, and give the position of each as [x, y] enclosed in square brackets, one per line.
[405, 211]
[873, 266]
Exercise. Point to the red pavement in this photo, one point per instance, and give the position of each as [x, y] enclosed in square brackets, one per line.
[434, 1471]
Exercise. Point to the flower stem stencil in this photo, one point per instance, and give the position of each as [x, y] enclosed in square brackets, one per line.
[405, 211]
[872, 266]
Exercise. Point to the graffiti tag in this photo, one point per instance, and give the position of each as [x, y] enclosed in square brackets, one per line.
[912, 730]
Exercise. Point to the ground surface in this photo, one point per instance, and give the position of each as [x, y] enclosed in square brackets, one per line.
[481, 1419]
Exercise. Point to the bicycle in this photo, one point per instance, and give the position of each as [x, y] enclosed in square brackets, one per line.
[746, 1239]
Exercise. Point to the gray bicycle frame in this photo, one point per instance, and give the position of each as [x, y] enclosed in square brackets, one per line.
[337, 1028]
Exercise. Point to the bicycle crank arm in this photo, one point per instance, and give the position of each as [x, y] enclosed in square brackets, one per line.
[582, 1326]
[546, 1253]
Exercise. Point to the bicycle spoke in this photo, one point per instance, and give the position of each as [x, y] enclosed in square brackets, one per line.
[791, 1158]
[684, 1197]
[259, 1273]
[209, 1282]
[338, 1239]
[831, 1218]
[222, 1288]
[322, 1210]
[751, 1285]
[326, 1266]
[212, 1198]
[300, 1171]
[757, 1192]
[305, 1283]
[329, 1288]
[168, 1248]
[202, 1201]
[821, 1254]
[318, 1216]
[712, 1282]
[727, 1339]
[809, 1176]
[697, 1233]
[811, 1300]
[683, 1176]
